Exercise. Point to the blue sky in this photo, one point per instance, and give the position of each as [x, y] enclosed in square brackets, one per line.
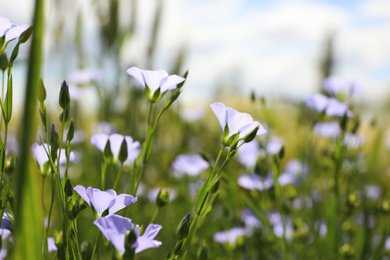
[273, 46]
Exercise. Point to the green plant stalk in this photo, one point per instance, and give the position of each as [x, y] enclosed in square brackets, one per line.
[2, 98]
[104, 169]
[28, 218]
[118, 176]
[154, 215]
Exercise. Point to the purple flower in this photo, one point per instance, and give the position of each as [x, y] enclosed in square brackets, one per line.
[234, 123]
[115, 228]
[335, 85]
[40, 155]
[51, 244]
[133, 147]
[255, 182]
[274, 145]
[152, 81]
[230, 236]
[292, 171]
[318, 102]
[11, 31]
[372, 191]
[327, 129]
[331, 106]
[6, 222]
[189, 164]
[248, 154]
[102, 200]
[250, 219]
[337, 108]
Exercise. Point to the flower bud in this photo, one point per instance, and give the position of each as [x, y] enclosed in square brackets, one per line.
[163, 197]
[281, 153]
[41, 91]
[25, 35]
[43, 114]
[53, 142]
[3, 61]
[183, 228]
[68, 188]
[178, 248]
[123, 151]
[107, 150]
[64, 98]
[249, 137]
[70, 134]
[72, 207]
[14, 54]
[64, 116]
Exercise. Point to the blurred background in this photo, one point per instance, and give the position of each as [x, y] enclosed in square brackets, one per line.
[278, 48]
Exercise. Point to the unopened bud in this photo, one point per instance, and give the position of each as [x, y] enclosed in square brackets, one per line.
[70, 134]
[25, 35]
[123, 151]
[41, 91]
[3, 61]
[107, 150]
[64, 98]
[249, 137]
[163, 197]
[68, 188]
[183, 228]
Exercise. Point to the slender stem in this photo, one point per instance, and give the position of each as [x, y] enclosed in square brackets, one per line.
[97, 240]
[2, 98]
[104, 169]
[118, 176]
[154, 215]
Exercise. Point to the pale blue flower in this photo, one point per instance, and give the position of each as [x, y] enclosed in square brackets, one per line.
[255, 182]
[51, 244]
[133, 147]
[250, 219]
[335, 85]
[248, 154]
[156, 80]
[103, 200]
[189, 164]
[41, 157]
[274, 145]
[230, 236]
[83, 77]
[233, 122]
[327, 129]
[331, 106]
[353, 141]
[10, 30]
[115, 228]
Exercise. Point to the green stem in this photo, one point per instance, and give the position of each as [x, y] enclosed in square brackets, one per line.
[154, 215]
[118, 176]
[2, 98]
[97, 240]
[104, 169]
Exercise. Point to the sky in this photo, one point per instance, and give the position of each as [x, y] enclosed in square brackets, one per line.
[273, 47]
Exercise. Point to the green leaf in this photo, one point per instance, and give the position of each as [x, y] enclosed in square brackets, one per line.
[203, 196]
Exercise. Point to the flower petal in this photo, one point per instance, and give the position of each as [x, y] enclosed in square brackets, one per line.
[220, 112]
[154, 78]
[15, 31]
[237, 121]
[100, 200]
[116, 142]
[121, 201]
[137, 74]
[171, 83]
[39, 153]
[146, 240]
[114, 228]
[99, 141]
[5, 24]
[82, 191]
